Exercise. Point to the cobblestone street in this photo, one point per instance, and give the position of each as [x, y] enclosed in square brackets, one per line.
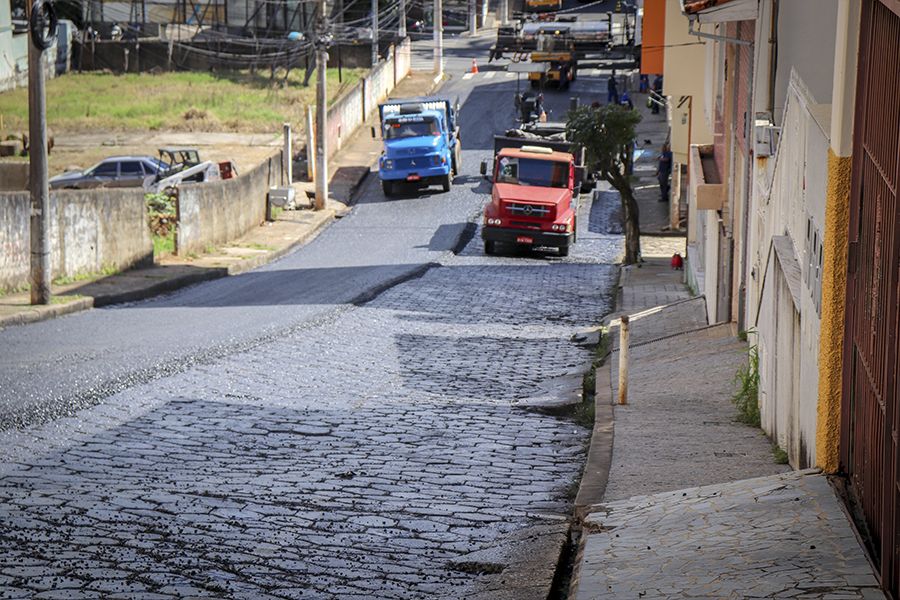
[363, 456]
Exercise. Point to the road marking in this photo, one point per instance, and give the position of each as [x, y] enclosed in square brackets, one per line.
[468, 75]
[595, 73]
[490, 74]
[510, 75]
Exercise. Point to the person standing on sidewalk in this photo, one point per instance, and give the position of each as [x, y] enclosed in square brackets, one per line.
[664, 171]
[612, 89]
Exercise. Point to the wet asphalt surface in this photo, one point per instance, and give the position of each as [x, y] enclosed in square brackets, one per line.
[350, 421]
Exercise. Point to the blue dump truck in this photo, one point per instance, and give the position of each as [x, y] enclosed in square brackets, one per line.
[421, 143]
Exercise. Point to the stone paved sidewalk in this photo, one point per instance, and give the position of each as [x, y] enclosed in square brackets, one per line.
[783, 536]
[694, 505]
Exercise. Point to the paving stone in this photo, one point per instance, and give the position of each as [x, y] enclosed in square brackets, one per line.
[351, 458]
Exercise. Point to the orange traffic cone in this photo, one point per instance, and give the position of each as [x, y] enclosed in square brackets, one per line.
[474, 66]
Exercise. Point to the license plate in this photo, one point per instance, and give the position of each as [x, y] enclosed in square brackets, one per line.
[413, 178]
[524, 239]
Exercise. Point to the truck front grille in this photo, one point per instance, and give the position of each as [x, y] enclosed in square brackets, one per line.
[528, 210]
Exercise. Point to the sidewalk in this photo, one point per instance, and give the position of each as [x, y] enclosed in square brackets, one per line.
[695, 505]
[262, 245]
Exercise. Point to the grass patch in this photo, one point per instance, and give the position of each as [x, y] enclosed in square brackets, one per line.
[238, 101]
[85, 276]
[746, 398]
[65, 299]
[780, 456]
[164, 244]
[585, 412]
[256, 246]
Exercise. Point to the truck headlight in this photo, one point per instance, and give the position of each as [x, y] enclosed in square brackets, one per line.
[387, 163]
[436, 160]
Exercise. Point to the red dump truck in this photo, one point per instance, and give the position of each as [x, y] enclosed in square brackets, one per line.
[534, 194]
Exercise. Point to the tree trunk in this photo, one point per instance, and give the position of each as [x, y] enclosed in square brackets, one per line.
[630, 216]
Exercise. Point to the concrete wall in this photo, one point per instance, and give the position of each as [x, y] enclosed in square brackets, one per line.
[214, 213]
[13, 176]
[790, 193]
[351, 111]
[684, 75]
[89, 230]
[805, 45]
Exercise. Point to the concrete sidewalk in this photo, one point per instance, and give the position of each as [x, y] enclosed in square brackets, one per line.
[262, 245]
[695, 505]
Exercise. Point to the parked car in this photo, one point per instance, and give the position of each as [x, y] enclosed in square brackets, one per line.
[116, 171]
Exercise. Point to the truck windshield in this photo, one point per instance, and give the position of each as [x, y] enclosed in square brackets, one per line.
[530, 171]
[406, 129]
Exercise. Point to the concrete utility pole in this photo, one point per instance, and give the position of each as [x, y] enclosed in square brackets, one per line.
[473, 17]
[401, 32]
[438, 37]
[37, 162]
[321, 109]
[504, 12]
[374, 32]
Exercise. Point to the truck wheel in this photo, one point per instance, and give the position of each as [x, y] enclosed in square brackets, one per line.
[387, 187]
[457, 159]
[490, 247]
[534, 84]
[447, 181]
[563, 250]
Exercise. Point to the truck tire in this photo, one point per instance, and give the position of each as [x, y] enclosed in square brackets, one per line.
[490, 247]
[387, 187]
[457, 158]
[447, 182]
[563, 250]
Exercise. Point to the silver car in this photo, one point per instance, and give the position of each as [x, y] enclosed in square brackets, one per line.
[116, 171]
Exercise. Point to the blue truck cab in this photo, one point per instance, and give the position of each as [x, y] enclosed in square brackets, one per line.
[421, 143]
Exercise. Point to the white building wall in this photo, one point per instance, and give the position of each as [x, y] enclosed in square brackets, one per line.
[789, 200]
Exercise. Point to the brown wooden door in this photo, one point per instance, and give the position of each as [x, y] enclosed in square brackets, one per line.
[871, 420]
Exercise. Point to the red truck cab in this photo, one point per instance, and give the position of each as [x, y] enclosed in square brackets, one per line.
[531, 200]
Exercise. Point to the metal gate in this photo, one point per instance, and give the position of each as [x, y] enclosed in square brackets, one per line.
[870, 418]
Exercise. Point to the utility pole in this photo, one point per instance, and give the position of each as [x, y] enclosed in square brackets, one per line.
[473, 17]
[402, 31]
[37, 158]
[374, 32]
[321, 108]
[504, 12]
[438, 38]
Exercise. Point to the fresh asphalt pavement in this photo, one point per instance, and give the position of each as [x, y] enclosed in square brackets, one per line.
[346, 422]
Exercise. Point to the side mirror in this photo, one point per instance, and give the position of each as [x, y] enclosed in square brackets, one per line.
[484, 168]
[373, 132]
[580, 173]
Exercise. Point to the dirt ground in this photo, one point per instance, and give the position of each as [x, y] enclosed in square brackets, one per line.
[83, 150]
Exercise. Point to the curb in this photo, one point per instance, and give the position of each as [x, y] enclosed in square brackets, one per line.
[599, 456]
[170, 285]
[43, 313]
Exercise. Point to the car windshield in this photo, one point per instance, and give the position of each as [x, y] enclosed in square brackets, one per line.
[394, 130]
[530, 171]
[158, 164]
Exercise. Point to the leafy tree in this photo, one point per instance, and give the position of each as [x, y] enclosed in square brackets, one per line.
[607, 134]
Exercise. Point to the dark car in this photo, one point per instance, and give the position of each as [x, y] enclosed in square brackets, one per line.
[116, 171]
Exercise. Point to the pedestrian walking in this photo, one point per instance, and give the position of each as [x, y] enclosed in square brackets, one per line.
[664, 171]
[658, 88]
[644, 85]
[612, 90]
